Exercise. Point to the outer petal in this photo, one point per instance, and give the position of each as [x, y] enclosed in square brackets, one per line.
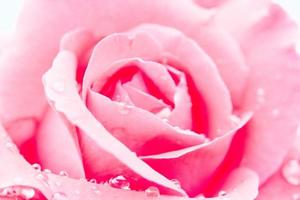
[273, 90]
[52, 136]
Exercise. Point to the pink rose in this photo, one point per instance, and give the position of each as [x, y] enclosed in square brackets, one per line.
[177, 99]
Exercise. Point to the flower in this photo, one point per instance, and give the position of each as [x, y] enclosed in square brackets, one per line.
[182, 98]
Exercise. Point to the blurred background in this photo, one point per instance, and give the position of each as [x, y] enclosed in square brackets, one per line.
[9, 10]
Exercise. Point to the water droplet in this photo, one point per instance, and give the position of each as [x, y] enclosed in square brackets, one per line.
[260, 95]
[275, 112]
[291, 172]
[93, 181]
[41, 176]
[63, 173]
[21, 192]
[165, 120]
[222, 193]
[164, 77]
[176, 183]
[11, 147]
[57, 183]
[77, 192]
[235, 120]
[96, 189]
[119, 182]
[164, 113]
[124, 108]
[47, 171]
[296, 196]
[118, 132]
[152, 192]
[3, 192]
[58, 86]
[59, 196]
[36, 166]
[28, 193]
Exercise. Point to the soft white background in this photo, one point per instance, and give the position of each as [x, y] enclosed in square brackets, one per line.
[10, 8]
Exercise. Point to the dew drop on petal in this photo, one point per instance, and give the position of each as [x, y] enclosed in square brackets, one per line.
[11, 147]
[59, 196]
[152, 192]
[63, 173]
[164, 78]
[124, 109]
[93, 180]
[58, 183]
[41, 177]
[291, 172]
[201, 197]
[96, 189]
[118, 132]
[295, 196]
[275, 112]
[260, 95]
[222, 193]
[119, 182]
[77, 192]
[21, 192]
[176, 183]
[58, 86]
[36, 166]
[235, 120]
[47, 171]
[28, 193]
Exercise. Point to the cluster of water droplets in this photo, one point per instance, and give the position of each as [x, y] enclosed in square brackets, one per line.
[21, 192]
[291, 172]
[9, 144]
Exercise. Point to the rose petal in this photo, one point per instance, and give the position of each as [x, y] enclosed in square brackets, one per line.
[122, 120]
[121, 95]
[226, 53]
[273, 90]
[181, 114]
[144, 100]
[194, 166]
[14, 170]
[242, 183]
[53, 134]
